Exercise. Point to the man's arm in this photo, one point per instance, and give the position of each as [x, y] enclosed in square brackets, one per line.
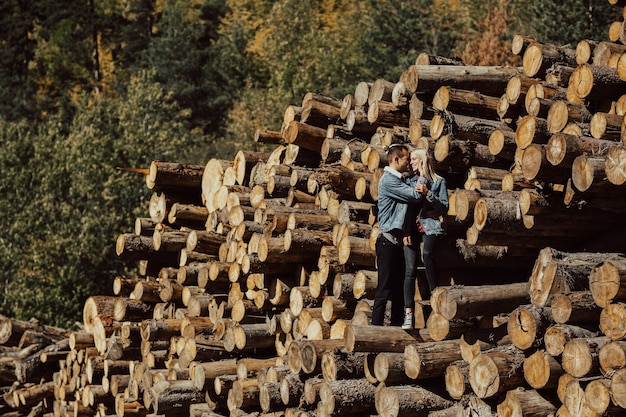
[401, 192]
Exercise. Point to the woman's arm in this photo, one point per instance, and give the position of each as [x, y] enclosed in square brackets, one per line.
[438, 197]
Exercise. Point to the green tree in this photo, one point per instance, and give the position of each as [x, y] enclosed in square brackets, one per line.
[297, 47]
[399, 31]
[566, 22]
[490, 43]
[16, 51]
[67, 202]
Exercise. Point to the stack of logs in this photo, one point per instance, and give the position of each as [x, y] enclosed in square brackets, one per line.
[257, 274]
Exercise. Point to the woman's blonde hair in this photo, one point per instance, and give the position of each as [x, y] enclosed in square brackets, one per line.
[428, 171]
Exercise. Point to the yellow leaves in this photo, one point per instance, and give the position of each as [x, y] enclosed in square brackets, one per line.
[489, 46]
[258, 45]
[107, 67]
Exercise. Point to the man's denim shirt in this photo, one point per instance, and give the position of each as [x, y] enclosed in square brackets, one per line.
[393, 196]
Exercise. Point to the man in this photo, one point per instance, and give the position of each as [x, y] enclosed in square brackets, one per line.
[394, 195]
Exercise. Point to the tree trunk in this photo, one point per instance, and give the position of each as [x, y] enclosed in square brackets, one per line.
[527, 325]
[430, 359]
[378, 339]
[542, 371]
[580, 357]
[408, 400]
[168, 174]
[471, 301]
[575, 308]
[605, 281]
[342, 397]
[538, 57]
[496, 371]
[522, 402]
[558, 272]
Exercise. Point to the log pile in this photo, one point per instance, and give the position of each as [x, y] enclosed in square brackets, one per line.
[257, 274]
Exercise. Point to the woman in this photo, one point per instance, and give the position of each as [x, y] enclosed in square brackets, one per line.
[423, 224]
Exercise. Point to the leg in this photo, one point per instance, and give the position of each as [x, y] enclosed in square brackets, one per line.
[385, 260]
[429, 260]
[410, 262]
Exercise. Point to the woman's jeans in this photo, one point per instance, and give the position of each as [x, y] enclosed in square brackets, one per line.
[410, 266]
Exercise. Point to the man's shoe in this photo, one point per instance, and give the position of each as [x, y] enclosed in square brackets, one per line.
[407, 324]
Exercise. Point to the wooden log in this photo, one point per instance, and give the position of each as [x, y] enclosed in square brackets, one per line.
[132, 247]
[575, 307]
[188, 215]
[488, 80]
[501, 212]
[365, 282]
[268, 137]
[356, 251]
[386, 114]
[588, 171]
[355, 396]
[378, 338]
[457, 379]
[523, 402]
[618, 387]
[538, 57]
[339, 365]
[465, 302]
[605, 282]
[614, 165]
[518, 86]
[595, 83]
[466, 102]
[464, 127]
[126, 309]
[562, 112]
[204, 241]
[611, 321]
[580, 357]
[531, 130]
[408, 400]
[527, 324]
[558, 335]
[430, 359]
[168, 174]
[320, 111]
[542, 371]
[606, 126]
[612, 356]
[598, 396]
[604, 50]
[558, 272]
[168, 396]
[562, 149]
[496, 371]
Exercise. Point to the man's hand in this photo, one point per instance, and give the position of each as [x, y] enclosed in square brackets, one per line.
[407, 240]
[421, 188]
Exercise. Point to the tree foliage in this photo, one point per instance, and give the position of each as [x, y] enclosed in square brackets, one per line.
[67, 201]
[490, 44]
[565, 23]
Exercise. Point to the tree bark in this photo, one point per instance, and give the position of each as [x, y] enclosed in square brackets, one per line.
[408, 400]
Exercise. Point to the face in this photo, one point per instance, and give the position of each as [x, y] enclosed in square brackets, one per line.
[416, 164]
[403, 161]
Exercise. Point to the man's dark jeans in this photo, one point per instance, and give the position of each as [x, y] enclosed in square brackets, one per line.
[390, 259]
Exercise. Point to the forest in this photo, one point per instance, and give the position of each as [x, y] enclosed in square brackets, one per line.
[93, 86]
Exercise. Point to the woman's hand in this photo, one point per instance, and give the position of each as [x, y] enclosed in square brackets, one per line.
[422, 188]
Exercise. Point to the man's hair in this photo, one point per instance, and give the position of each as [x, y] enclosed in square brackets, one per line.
[396, 149]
